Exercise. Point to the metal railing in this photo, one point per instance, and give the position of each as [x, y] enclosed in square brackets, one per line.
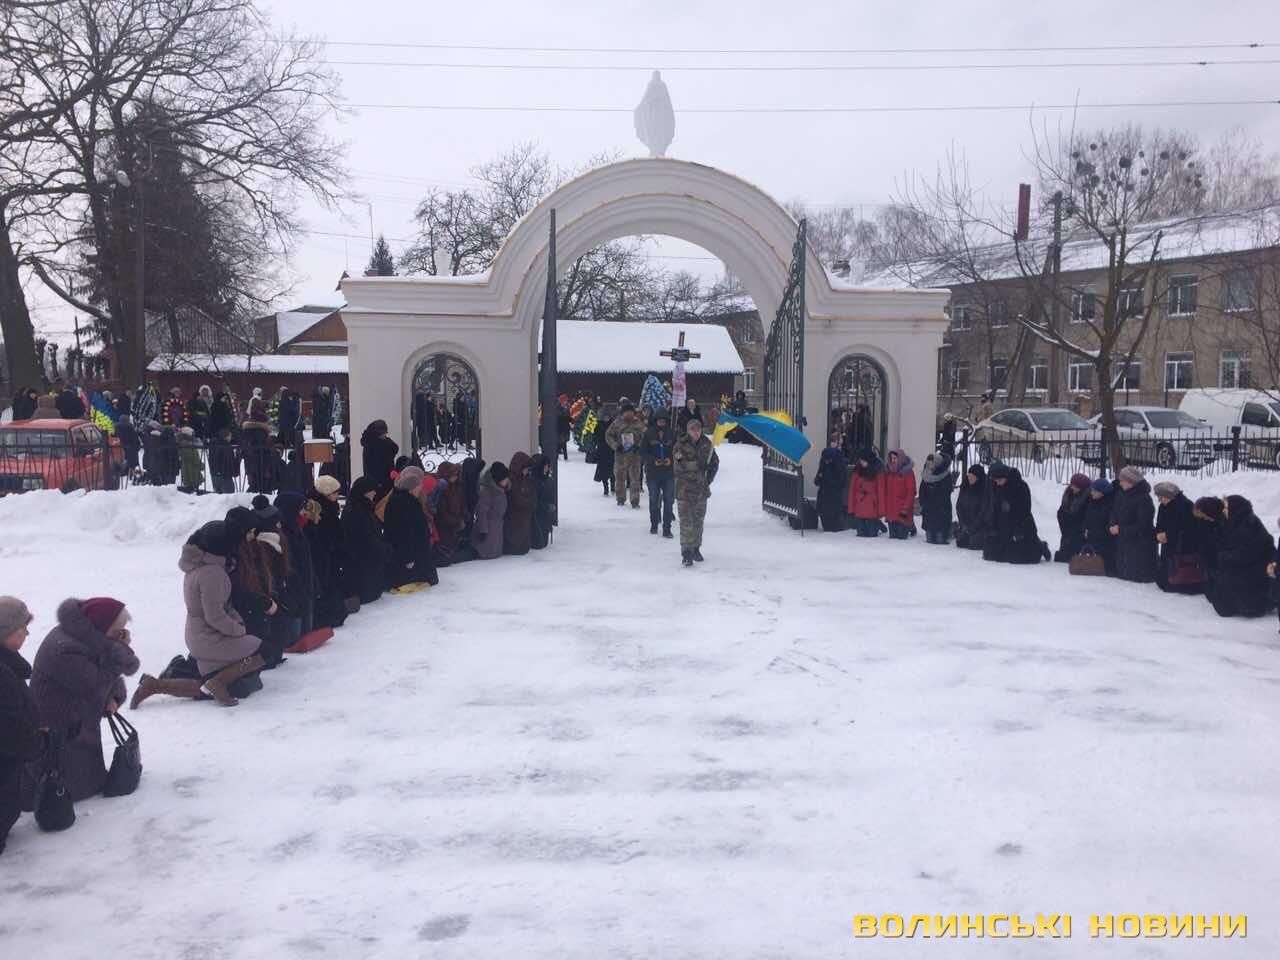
[1058, 456]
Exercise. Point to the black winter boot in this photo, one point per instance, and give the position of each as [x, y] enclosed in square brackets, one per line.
[653, 528]
[666, 533]
[686, 558]
[697, 555]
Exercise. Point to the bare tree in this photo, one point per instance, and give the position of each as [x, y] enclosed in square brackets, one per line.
[243, 105]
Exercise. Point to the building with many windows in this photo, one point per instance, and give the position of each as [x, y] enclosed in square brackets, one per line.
[1202, 310]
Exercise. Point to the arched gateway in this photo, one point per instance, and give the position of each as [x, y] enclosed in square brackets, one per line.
[491, 320]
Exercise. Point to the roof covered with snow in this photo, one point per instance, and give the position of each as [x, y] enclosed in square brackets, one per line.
[584, 346]
[1181, 239]
[259, 363]
[291, 324]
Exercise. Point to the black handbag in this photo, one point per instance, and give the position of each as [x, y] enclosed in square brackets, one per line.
[126, 764]
[53, 807]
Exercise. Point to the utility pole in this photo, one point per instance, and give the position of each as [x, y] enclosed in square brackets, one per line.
[1055, 265]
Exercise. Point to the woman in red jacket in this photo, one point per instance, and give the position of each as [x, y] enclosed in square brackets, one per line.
[866, 493]
[900, 495]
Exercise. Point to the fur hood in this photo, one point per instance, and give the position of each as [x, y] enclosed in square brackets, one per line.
[905, 463]
[78, 629]
[195, 556]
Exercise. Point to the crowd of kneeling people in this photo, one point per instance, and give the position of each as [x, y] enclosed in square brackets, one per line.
[1215, 546]
[265, 580]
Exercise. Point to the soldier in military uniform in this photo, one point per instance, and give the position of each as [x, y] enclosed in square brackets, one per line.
[695, 464]
[625, 438]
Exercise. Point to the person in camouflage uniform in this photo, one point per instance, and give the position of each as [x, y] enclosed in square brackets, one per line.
[624, 439]
[695, 464]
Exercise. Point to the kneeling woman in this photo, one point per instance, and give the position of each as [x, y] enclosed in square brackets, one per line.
[227, 656]
[409, 533]
[77, 678]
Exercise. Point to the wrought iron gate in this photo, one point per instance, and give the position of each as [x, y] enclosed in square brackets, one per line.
[784, 387]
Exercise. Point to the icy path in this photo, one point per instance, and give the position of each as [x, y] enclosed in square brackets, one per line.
[590, 752]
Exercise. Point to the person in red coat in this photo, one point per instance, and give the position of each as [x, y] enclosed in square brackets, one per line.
[900, 495]
[867, 493]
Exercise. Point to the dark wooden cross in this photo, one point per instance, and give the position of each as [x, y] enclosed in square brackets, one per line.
[679, 353]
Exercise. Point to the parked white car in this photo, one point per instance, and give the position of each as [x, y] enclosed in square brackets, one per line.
[1160, 437]
[1255, 412]
[1035, 432]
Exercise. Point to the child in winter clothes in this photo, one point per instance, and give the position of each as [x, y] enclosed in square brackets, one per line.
[900, 496]
[936, 483]
[192, 463]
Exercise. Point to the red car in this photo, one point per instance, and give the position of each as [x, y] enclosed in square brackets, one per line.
[58, 455]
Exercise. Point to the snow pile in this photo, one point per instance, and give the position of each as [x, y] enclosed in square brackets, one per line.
[590, 752]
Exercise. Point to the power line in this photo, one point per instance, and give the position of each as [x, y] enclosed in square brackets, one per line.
[799, 67]
[794, 51]
[918, 108]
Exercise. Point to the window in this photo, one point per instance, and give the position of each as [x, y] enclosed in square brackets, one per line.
[1179, 371]
[961, 318]
[1080, 376]
[1020, 421]
[999, 379]
[1233, 369]
[1130, 376]
[1239, 292]
[1005, 418]
[749, 332]
[1256, 415]
[959, 376]
[1038, 374]
[998, 315]
[1182, 295]
[1127, 418]
[1083, 304]
[1060, 420]
[1130, 302]
[748, 380]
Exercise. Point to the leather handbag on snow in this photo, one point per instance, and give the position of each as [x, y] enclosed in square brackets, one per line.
[52, 803]
[126, 763]
[1186, 570]
[1087, 563]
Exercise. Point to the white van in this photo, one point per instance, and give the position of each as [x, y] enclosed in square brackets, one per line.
[1255, 412]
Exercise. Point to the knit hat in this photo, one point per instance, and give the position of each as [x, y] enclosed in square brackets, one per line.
[1167, 488]
[1079, 481]
[410, 479]
[1102, 485]
[266, 516]
[14, 615]
[1000, 471]
[499, 472]
[327, 486]
[1239, 507]
[1132, 474]
[102, 612]
[272, 540]
[290, 503]
[1211, 507]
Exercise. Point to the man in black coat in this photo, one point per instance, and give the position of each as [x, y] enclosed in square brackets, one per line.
[221, 414]
[1133, 518]
[290, 417]
[1240, 585]
[1014, 537]
[69, 404]
[322, 414]
[21, 739]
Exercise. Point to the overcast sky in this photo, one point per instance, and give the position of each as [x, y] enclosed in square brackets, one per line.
[815, 157]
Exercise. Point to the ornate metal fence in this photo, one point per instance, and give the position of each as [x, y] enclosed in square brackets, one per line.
[783, 487]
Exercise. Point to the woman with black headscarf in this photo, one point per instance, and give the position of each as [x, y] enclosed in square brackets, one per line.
[367, 550]
[379, 455]
[973, 509]
[1241, 587]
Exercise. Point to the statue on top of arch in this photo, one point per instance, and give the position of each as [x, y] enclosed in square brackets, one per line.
[654, 117]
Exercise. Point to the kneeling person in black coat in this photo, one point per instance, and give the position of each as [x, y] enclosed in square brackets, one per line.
[21, 740]
[409, 533]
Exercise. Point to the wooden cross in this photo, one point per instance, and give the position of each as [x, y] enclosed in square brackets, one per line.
[679, 353]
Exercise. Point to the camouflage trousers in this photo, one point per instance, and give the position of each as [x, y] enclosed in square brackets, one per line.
[626, 471]
[692, 511]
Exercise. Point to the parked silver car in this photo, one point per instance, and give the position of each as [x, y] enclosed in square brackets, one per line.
[1160, 437]
[1035, 432]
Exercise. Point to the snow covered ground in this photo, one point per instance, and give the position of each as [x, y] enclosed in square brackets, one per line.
[591, 752]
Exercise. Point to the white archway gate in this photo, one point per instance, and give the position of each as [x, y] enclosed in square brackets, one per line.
[491, 320]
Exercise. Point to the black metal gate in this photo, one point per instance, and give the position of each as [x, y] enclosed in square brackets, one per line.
[784, 387]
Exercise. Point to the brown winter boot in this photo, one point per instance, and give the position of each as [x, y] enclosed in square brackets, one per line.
[149, 686]
[216, 686]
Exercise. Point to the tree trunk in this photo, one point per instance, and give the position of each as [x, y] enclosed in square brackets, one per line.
[15, 318]
[1111, 450]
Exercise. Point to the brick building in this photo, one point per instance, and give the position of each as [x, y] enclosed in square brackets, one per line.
[1212, 292]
